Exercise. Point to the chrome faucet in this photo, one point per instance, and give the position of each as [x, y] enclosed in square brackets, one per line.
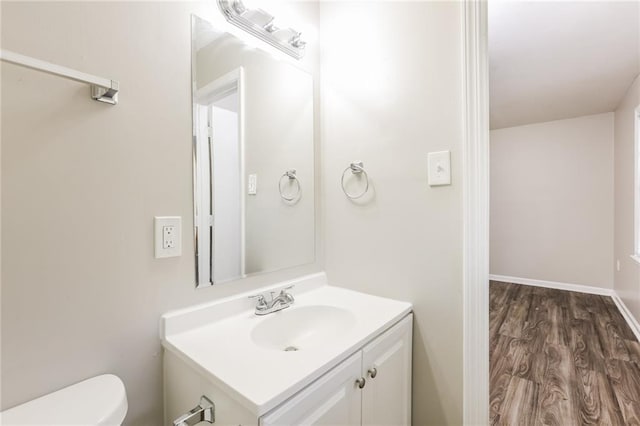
[277, 303]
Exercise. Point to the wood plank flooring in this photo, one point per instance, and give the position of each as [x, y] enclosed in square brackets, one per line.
[560, 358]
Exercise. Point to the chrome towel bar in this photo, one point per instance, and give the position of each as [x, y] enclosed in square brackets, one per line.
[102, 89]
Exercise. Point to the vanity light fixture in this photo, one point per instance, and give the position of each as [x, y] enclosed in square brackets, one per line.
[260, 24]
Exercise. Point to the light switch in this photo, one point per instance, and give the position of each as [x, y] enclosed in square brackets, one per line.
[168, 236]
[439, 168]
[252, 187]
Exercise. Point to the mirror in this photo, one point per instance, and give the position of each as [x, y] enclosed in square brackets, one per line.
[253, 159]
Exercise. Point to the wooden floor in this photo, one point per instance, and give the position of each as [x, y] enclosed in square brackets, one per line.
[561, 358]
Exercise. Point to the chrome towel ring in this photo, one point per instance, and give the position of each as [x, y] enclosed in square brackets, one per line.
[357, 168]
[291, 176]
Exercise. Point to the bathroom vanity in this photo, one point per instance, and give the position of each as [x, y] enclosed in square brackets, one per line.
[331, 356]
[334, 357]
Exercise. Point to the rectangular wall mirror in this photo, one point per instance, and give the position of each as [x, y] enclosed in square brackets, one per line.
[253, 145]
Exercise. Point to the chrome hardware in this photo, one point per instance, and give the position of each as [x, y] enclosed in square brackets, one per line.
[287, 295]
[108, 95]
[277, 303]
[260, 297]
[291, 175]
[361, 382]
[262, 302]
[204, 412]
[260, 24]
[357, 168]
[373, 372]
[102, 89]
[297, 42]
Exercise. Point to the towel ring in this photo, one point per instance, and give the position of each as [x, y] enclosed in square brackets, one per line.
[357, 167]
[290, 175]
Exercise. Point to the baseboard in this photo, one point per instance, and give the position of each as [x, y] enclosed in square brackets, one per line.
[626, 313]
[628, 316]
[553, 284]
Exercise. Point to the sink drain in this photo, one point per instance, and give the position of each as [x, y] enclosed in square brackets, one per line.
[290, 349]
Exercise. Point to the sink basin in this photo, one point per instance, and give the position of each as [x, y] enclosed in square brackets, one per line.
[300, 328]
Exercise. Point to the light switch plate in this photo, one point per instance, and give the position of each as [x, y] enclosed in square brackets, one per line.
[168, 236]
[253, 184]
[439, 168]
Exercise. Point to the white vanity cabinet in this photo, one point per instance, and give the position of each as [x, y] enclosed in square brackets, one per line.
[386, 367]
[382, 368]
[337, 357]
[334, 399]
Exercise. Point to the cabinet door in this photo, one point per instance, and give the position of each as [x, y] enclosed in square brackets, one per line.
[386, 365]
[332, 400]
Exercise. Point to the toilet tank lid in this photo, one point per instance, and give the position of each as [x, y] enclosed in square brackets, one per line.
[100, 400]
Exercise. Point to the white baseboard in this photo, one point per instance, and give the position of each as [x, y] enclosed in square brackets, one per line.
[628, 316]
[553, 284]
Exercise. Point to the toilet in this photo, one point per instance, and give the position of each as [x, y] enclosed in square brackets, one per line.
[98, 401]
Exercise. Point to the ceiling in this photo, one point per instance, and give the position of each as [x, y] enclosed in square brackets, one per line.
[554, 60]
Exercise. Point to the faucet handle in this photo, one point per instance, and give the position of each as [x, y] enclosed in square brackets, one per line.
[261, 300]
[288, 295]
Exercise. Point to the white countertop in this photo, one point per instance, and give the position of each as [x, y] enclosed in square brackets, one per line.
[261, 378]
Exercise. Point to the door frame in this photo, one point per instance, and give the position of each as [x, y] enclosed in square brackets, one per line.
[636, 174]
[476, 214]
[203, 98]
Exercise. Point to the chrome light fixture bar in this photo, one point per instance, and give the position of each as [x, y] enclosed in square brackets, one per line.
[260, 24]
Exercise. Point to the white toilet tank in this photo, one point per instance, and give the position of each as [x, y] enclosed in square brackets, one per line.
[99, 401]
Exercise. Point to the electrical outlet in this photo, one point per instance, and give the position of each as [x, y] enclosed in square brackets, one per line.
[168, 236]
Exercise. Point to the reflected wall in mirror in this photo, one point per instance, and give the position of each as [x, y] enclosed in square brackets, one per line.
[253, 159]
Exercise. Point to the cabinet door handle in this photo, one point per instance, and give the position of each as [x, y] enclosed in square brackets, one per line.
[361, 382]
[373, 372]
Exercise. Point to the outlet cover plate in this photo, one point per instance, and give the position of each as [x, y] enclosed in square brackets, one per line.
[168, 236]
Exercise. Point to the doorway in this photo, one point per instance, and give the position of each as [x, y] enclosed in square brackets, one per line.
[219, 169]
[564, 85]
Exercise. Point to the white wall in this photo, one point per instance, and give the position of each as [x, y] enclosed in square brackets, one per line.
[552, 201]
[392, 92]
[627, 280]
[81, 182]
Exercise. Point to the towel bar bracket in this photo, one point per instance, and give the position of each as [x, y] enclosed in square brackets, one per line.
[108, 95]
